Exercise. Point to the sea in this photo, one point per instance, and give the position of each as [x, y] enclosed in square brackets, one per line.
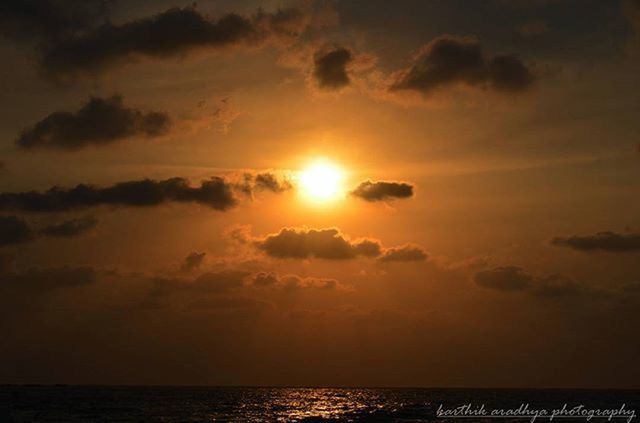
[62, 403]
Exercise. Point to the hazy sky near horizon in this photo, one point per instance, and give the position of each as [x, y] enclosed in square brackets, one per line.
[156, 226]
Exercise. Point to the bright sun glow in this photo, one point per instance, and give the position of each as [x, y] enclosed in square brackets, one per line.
[321, 181]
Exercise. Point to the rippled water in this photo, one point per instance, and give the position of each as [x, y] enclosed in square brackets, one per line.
[200, 404]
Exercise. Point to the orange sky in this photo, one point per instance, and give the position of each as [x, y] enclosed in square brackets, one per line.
[484, 230]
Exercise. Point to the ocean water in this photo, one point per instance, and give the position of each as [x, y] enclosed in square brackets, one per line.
[248, 404]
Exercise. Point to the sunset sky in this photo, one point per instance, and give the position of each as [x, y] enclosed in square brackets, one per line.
[344, 193]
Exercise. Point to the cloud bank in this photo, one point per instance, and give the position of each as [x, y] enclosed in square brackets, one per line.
[601, 241]
[448, 60]
[316, 243]
[100, 121]
[14, 230]
[215, 193]
[70, 228]
[171, 33]
[328, 244]
[292, 282]
[515, 279]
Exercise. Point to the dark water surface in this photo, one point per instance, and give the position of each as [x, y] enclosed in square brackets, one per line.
[238, 404]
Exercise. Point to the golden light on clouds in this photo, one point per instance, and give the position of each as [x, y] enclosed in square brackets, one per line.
[321, 181]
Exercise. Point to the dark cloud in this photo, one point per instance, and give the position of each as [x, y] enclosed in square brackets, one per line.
[215, 193]
[512, 278]
[24, 19]
[70, 228]
[100, 121]
[270, 182]
[207, 283]
[508, 278]
[263, 182]
[330, 68]
[404, 253]
[292, 282]
[382, 191]
[48, 278]
[444, 60]
[329, 244]
[507, 73]
[14, 230]
[173, 32]
[449, 60]
[556, 286]
[316, 243]
[192, 262]
[601, 241]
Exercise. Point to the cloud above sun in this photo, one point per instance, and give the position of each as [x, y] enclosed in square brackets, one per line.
[448, 60]
[330, 68]
[99, 122]
[168, 34]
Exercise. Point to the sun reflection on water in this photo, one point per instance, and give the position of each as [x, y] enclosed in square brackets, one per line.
[303, 404]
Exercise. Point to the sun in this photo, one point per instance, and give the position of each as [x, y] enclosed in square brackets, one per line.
[321, 181]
